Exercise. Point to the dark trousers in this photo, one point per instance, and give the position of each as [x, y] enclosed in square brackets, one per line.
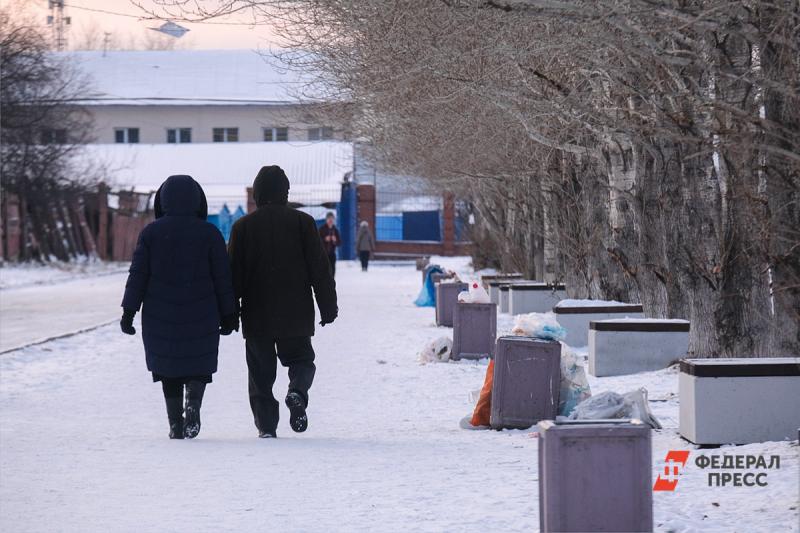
[332, 261]
[262, 363]
[364, 257]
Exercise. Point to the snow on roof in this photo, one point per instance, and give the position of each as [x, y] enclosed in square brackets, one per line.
[186, 77]
[316, 170]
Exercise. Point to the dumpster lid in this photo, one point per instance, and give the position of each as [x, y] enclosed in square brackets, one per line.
[536, 286]
[640, 324]
[581, 310]
[562, 423]
[731, 367]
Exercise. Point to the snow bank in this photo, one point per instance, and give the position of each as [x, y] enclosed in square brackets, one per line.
[23, 275]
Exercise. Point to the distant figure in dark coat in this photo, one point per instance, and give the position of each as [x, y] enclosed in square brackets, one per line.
[365, 244]
[331, 239]
[277, 259]
[181, 277]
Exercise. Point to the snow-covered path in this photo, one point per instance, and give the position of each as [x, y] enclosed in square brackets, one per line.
[84, 446]
[39, 312]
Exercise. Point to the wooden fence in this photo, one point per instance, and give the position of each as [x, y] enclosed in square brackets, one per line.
[72, 226]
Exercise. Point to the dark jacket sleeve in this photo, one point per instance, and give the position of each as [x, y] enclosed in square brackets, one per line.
[221, 274]
[319, 271]
[138, 274]
[236, 250]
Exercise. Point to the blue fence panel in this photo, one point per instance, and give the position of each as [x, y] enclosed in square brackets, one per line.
[389, 227]
[421, 226]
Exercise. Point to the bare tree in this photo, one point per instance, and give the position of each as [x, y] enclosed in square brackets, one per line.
[41, 130]
[638, 149]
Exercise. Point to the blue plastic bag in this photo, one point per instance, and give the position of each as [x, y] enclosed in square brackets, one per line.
[427, 296]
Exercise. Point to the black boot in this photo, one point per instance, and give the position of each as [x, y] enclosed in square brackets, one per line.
[194, 399]
[298, 419]
[173, 397]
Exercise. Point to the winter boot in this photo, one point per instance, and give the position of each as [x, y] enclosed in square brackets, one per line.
[173, 397]
[267, 435]
[194, 399]
[297, 411]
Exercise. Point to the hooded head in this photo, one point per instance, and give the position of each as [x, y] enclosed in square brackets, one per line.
[181, 196]
[271, 186]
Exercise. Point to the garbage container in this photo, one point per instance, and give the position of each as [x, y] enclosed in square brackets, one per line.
[474, 331]
[527, 380]
[595, 475]
[446, 299]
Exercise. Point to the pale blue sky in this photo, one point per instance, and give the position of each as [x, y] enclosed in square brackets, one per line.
[132, 30]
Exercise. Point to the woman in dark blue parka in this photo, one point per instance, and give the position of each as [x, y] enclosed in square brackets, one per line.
[181, 277]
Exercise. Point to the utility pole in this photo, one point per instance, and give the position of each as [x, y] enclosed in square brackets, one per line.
[58, 22]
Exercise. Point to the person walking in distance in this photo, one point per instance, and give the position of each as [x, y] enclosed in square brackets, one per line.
[277, 259]
[181, 277]
[329, 234]
[365, 244]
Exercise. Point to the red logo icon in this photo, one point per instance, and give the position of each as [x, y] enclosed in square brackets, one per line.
[675, 461]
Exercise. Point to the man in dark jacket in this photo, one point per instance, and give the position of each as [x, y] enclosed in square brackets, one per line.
[329, 234]
[276, 260]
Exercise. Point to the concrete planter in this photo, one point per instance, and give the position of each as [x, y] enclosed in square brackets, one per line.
[534, 297]
[498, 278]
[576, 319]
[446, 299]
[474, 331]
[619, 347]
[595, 476]
[739, 401]
[502, 297]
[494, 291]
[527, 381]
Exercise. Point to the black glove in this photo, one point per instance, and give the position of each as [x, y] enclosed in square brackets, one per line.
[328, 319]
[126, 323]
[229, 324]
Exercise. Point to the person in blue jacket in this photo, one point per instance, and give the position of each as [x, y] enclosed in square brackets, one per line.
[180, 276]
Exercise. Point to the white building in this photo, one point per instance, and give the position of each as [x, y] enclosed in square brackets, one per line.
[218, 115]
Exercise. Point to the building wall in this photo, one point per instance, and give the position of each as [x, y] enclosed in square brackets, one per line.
[154, 120]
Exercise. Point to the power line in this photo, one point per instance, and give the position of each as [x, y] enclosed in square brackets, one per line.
[139, 17]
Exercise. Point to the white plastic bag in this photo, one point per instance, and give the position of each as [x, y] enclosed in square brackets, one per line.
[436, 351]
[539, 325]
[613, 405]
[478, 294]
[574, 385]
[475, 294]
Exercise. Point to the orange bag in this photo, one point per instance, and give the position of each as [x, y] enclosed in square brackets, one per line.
[483, 409]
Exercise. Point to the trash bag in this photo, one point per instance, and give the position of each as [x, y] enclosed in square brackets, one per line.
[540, 325]
[610, 404]
[427, 296]
[436, 351]
[574, 384]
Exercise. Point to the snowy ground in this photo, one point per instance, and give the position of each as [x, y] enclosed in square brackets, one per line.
[42, 308]
[16, 276]
[84, 446]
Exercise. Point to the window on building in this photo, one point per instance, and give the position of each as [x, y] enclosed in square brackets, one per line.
[226, 135]
[179, 135]
[276, 134]
[126, 135]
[322, 133]
[54, 136]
